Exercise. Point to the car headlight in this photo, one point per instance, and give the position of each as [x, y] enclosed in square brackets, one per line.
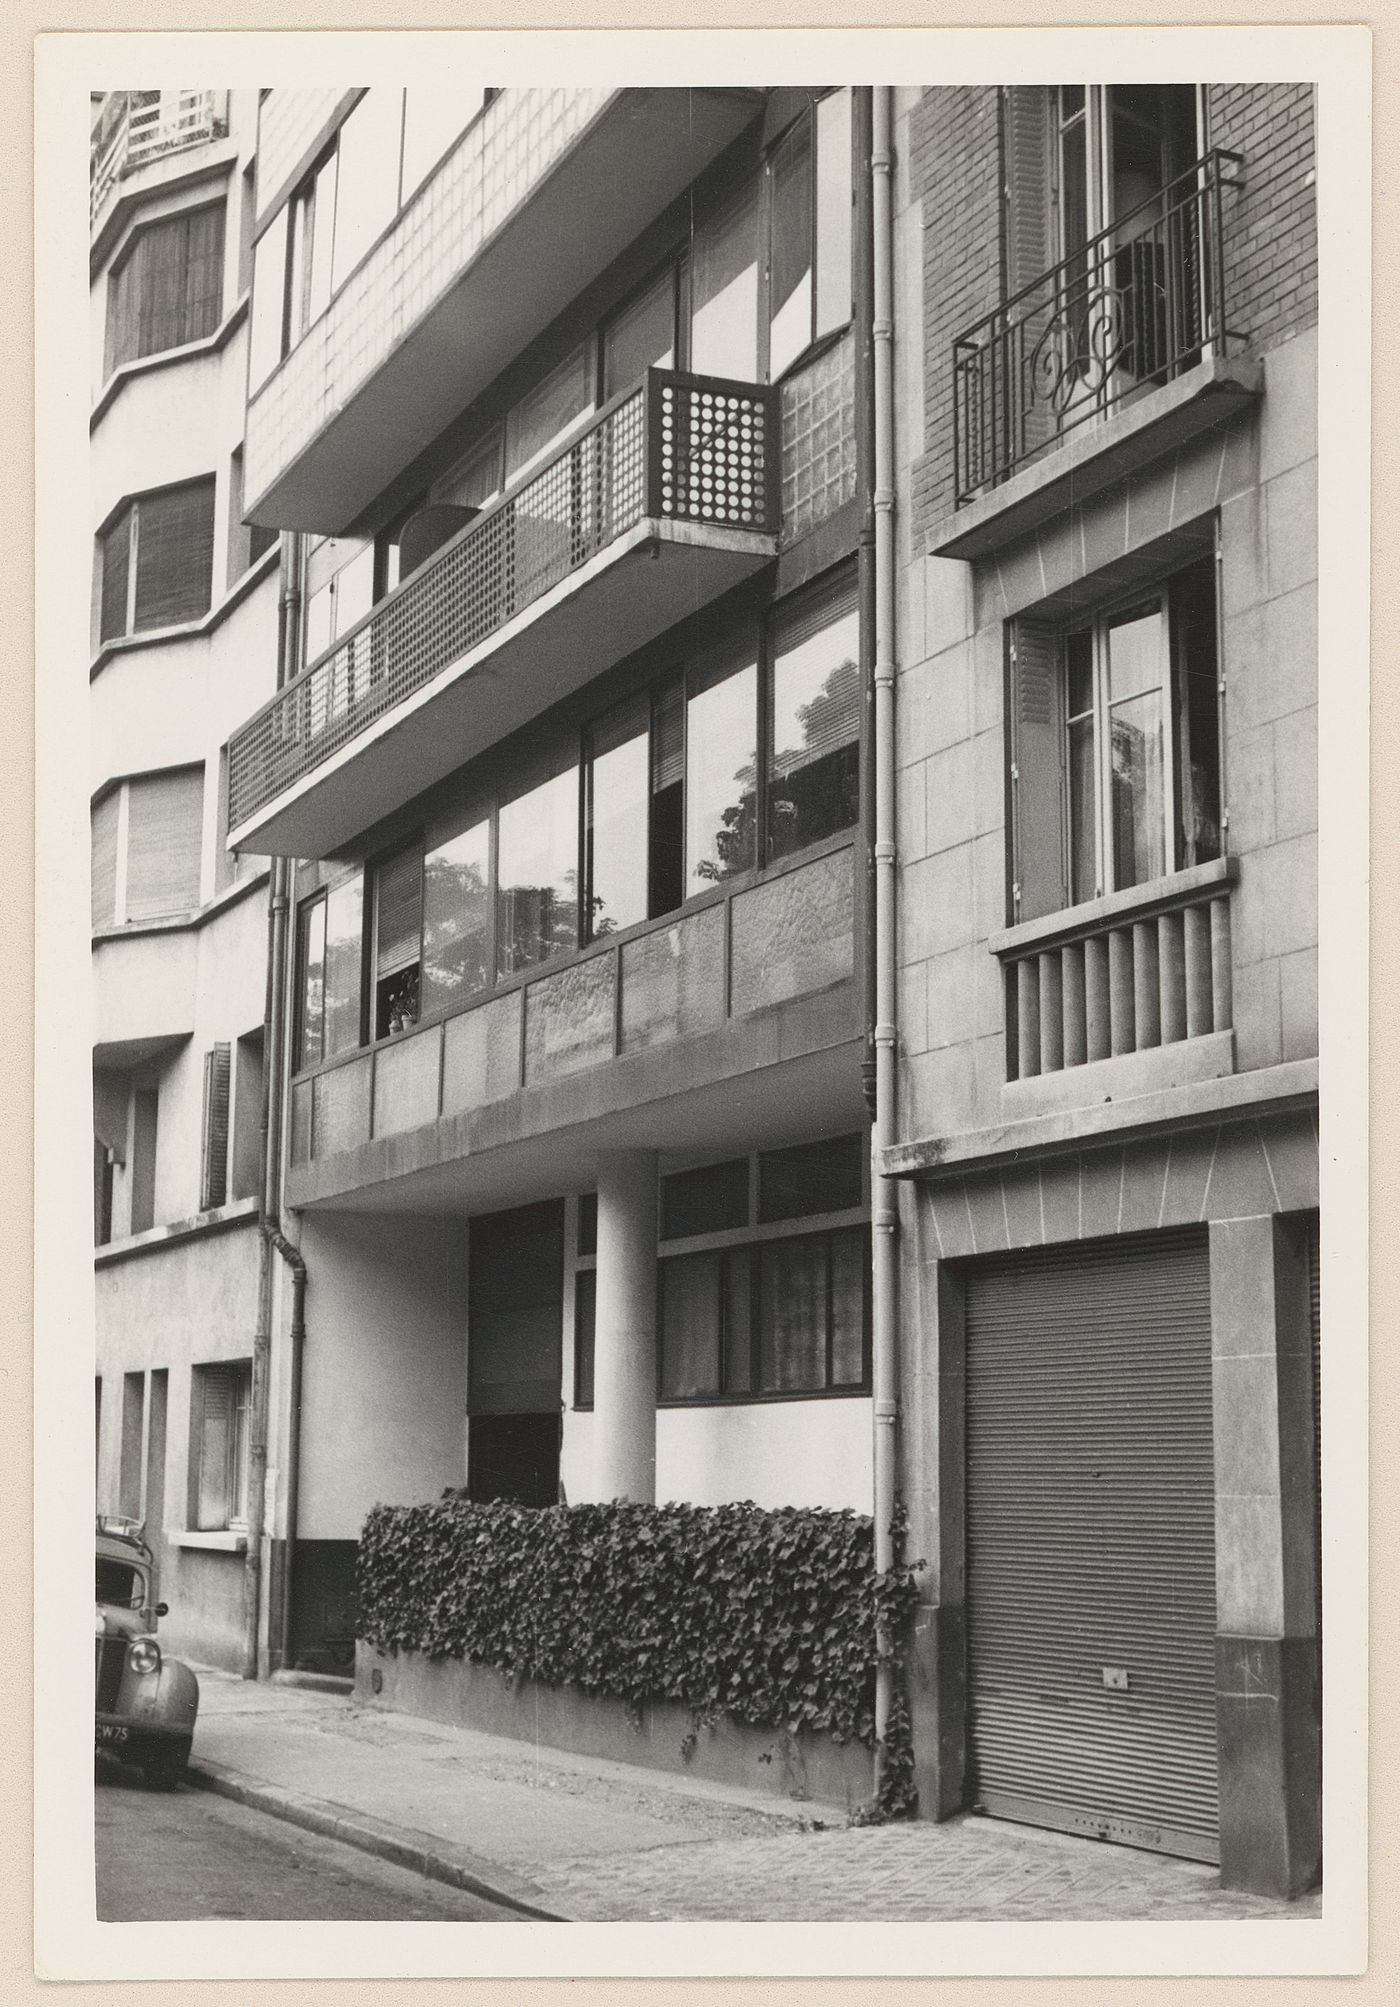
[144, 1656]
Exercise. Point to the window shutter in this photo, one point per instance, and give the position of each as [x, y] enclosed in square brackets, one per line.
[398, 911]
[104, 859]
[204, 272]
[1037, 770]
[174, 555]
[215, 1424]
[116, 568]
[213, 1187]
[1029, 190]
[165, 823]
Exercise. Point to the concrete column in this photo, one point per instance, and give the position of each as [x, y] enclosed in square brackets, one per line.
[1266, 1617]
[931, 1403]
[624, 1352]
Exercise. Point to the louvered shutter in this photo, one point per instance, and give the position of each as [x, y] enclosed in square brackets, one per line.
[214, 1145]
[832, 719]
[204, 272]
[104, 858]
[1037, 771]
[1028, 140]
[174, 555]
[1091, 1541]
[215, 1432]
[165, 818]
[398, 911]
[116, 573]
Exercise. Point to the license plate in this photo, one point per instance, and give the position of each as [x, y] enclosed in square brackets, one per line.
[112, 1731]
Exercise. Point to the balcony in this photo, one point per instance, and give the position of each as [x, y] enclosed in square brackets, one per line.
[1115, 356]
[138, 128]
[542, 192]
[1136, 972]
[667, 500]
[645, 1032]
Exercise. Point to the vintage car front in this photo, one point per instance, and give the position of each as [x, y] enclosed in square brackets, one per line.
[146, 1701]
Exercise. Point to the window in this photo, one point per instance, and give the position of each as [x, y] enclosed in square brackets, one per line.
[145, 1114]
[220, 1405]
[398, 940]
[157, 560]
[537, 874]
[766, 1313]
[814, 712]
[168, 288]
[616, 814]
[641, 335]
[1115, 745]
[340, 591]
[721, 767]
[245, 1163]
[457, 918]
[367, 185]
[330, 946]
[433, 120]
[247, 542]
[147, 843]
[213, 1149]
[585, 1334]
[771, 269]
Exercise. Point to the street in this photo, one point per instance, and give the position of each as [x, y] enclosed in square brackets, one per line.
[167, 1856]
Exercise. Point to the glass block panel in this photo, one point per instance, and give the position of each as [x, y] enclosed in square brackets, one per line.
[340, 1119]
[793, 935]
[406, 1082]
[569, 1019]
[819, 440]
[673, 981]
[481, 1055]
[302, 1093]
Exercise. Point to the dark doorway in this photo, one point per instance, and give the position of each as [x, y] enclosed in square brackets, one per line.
[514, 1354]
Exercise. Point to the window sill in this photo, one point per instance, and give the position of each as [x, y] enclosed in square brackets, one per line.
[1135, 902]
[670, 1403]
[189, 630]
[226, 1542]
[146, 365]
[242, 1212]
[179, 923]
[1099, 454]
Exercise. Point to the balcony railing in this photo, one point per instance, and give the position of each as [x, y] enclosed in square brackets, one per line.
[1138, 305]
[1151, 973]
[743, 948]
[674, 449]
[150, 125]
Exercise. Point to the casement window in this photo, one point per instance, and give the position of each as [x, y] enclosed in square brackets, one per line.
[339, 589]
[245, 1163]
[157, 560]
[214, 1128]
[1115, 745]
[147, 843]
[167, 288]
[141, 1158]
[220, 1406]
[330, 949]
[398, 941]
[757, 1313]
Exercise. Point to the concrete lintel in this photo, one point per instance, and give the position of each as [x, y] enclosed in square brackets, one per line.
[1269, 1089]
[1100, 454]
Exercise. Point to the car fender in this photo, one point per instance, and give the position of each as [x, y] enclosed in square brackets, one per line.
[177, 1696]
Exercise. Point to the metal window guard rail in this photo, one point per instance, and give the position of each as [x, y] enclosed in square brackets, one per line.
[1135, 307]
[678, 448]
[1158, 974]
[166, 122]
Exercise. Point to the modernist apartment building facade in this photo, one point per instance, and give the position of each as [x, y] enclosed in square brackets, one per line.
[702, 533]
[183, 645]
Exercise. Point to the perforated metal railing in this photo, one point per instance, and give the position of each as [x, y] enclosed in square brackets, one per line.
[675, 448]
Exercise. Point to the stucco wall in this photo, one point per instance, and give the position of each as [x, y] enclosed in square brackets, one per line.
[384, 1387]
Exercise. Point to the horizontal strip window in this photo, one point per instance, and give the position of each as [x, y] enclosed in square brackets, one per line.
[662, 798]
[783, 1317]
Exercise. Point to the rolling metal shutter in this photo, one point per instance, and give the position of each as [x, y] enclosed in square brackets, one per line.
[1091, 1542]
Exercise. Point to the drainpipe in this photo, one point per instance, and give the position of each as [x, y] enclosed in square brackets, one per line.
[274, 1241]
[865, 572]
[884, 1216]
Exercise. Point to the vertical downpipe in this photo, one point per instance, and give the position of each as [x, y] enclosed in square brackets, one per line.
[884, 1216]
[865, 572]
[273, 1241]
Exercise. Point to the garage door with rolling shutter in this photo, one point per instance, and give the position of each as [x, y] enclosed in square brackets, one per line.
[1091, 1541]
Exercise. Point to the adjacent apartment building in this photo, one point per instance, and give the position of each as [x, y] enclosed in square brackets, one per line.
[184, 619]
[787, 771]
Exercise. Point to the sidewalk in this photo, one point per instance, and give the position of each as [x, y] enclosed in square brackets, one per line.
[569, 1838]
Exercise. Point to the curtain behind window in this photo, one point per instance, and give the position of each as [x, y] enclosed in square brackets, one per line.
[169, 289]
[174, 555]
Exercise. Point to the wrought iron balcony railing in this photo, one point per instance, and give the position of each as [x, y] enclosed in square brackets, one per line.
[1132, 309]
[149, 125]
[674, 449]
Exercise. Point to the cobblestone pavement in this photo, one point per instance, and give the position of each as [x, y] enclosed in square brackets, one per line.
[969, 1870]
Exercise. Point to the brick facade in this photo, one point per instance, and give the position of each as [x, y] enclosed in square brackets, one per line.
[1271, 224]
[955, 171]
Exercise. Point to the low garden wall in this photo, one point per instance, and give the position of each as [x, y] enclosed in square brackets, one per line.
[729, 1642]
